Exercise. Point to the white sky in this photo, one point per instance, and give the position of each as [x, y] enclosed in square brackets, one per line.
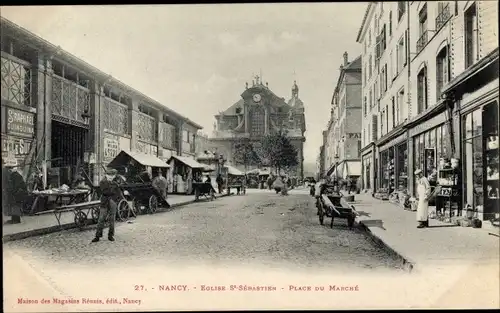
[195, 59]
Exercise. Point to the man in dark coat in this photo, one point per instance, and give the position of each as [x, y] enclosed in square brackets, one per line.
[220, 181]
[111, 195]
[14, 192]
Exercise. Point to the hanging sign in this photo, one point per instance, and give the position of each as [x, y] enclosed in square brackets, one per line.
[111, 148]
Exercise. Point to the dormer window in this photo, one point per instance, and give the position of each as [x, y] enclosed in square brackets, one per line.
[238, 110]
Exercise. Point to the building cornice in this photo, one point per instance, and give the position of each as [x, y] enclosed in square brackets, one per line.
[56, 51]
[363, 27]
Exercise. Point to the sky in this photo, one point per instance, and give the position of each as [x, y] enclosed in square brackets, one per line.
[195, 59]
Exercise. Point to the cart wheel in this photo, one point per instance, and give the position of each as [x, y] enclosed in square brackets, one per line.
[123, 210]
[321, 213]
[133, 209]
[94, 213]
[350, 221]
[80, 219]
[153, 204]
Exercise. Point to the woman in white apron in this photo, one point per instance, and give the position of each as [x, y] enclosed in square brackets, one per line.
[423, 192]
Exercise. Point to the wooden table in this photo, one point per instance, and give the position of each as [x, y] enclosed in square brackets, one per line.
[72, 196]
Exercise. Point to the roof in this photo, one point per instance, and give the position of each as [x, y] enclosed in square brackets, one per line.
[368, 7]
[141, 158]
[296, 103]
[233, 171]
[352, 66]
[187, 161]
[232, 109]
[50, 48]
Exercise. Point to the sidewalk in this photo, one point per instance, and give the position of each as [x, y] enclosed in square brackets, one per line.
[46, 223]
[441, 243]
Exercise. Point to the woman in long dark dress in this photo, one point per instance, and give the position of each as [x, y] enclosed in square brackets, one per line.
[14, 192]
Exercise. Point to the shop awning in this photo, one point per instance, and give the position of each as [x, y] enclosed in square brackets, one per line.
[144, 159]
[352, 168]
[233, 171]
[187, 161]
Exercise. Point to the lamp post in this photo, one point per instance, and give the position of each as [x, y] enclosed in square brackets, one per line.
[336, 159]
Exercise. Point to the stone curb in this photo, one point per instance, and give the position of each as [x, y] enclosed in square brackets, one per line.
[405, 262]
[57, 228]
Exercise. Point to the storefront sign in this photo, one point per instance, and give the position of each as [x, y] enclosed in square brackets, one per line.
[20, 122]
[429, 124]
[353, 135]
[111, 148]
[393, 142]
[15, 146]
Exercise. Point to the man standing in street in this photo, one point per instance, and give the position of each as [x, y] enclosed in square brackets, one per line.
[423, 192]
[160, 184]
[220, 181]
[111, 195]
[14, 192]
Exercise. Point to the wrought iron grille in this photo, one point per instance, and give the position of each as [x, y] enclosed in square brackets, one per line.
[443, 16]
[16, 81]
[69, 100]
[146, 128]
[115, 117]
[422, 41]
[168, 136]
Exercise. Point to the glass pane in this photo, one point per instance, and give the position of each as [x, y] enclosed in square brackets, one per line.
[439, 148]
[468, 125]
[477, 170]
[446, 141]
[477, 124]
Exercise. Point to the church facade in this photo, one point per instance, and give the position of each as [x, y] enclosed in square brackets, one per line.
[260, 112]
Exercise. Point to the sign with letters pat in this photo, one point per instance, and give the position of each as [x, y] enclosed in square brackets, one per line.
[354, 136]
[20, 122]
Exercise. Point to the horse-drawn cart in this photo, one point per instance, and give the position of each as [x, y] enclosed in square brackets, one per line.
[203, 190]
[139, 198]
[331, 204]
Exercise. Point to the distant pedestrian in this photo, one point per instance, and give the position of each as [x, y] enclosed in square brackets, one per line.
[160, 184]
[220, 182]
[111, 195]
[423, 193]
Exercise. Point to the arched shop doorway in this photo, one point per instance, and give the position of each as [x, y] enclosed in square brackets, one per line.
[68, 147]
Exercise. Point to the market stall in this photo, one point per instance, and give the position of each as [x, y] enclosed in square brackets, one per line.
[138, 167]
[235, 179]
[184, 171]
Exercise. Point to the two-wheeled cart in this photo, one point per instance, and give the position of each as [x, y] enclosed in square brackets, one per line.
[330, 204]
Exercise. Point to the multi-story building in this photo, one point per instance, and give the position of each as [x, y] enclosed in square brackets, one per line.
[61, 112]
[320, 163]
[438, 54]
[260, 112]
[343, 133]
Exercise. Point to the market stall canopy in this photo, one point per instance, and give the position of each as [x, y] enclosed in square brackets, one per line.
[264, 172]
[209, 168]
[254, 171]
[187, 161]
[234, 171]
[141, 158]
[352, 168]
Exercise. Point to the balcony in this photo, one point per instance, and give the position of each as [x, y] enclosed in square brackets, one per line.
[16, 81]
[443, 17]
[69, 101]
[116, 117]
[146, 128]
[422, 41]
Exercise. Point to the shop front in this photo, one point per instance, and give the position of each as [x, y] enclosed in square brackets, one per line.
[183, 171]
[18, 138]
[475, 94]
[366, 164]
[393, 164]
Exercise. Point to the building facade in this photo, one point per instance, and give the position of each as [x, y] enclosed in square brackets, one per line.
[260, 112]
[414, 119]
[343, 133]
[59, 112]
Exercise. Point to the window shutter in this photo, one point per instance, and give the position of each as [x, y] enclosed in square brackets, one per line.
[374, 127]
[488, 26]
[446, 64]
[405, 49]
[457, 47]
[391, 67]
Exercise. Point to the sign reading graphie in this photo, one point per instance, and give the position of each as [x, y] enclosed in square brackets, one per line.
[20, 122]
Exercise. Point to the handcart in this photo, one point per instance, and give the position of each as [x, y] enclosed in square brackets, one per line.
[139, 198]
[203, 190]
[330, 204]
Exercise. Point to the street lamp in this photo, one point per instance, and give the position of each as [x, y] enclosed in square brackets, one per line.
[336, 159]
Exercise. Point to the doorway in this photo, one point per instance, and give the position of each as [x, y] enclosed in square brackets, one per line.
[68, 147]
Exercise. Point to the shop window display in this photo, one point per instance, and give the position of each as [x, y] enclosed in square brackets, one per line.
[402, 166]
[491, 163]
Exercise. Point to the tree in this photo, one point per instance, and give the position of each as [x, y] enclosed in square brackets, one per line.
[244, 153]
[280, 152]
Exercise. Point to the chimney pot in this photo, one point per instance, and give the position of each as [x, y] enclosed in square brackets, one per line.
[346, 58]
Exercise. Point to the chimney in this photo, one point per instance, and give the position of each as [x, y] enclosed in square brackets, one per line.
[267, 84]
[345, 58]
[246, 85]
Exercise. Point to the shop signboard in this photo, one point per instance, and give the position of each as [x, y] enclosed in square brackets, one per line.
[19, 123]
[354, 136]
[111, 147]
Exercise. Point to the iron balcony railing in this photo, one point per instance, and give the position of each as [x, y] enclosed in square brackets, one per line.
[443, 17]
[422, 41]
